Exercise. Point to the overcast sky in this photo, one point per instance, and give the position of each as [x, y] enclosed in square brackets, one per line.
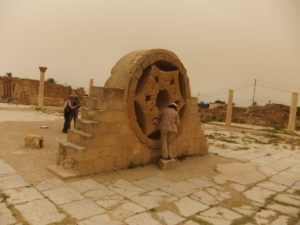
[222, 43]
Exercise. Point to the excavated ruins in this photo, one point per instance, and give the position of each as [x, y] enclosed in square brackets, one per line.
[115, 130]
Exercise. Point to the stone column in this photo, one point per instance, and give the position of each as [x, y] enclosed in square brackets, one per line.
[229, 108]
[293, 113]
[91, 85]
[41, 86]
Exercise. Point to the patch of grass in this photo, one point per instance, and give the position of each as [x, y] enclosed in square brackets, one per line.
[3, 197]
[227, 140]
[243, 220]
[181, 157]
[297, 192]
[201, 221]
[210, 136]
[241, 148]
[270, 199]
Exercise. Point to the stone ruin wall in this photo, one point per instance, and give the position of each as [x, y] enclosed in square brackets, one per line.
[113, 133]
[25, 91]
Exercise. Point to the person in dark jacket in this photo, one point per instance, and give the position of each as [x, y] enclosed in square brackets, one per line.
[75, 111]
[68, 107]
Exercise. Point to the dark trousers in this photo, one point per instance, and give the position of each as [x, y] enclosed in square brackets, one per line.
[67, 124]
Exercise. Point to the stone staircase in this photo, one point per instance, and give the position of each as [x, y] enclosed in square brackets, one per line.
[100, 114]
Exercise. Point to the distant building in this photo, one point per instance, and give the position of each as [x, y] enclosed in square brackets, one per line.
[216, 104]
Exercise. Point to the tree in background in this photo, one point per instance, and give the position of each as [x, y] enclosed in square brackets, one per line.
[8, 74]
[51, 80]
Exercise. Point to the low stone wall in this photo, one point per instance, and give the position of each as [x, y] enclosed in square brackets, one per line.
[25, 91]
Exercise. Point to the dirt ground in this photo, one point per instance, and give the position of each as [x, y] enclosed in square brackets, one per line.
[31, 164]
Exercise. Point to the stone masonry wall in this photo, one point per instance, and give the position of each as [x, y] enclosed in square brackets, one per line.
[25, 91]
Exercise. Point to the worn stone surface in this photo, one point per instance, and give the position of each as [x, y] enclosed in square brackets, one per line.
[238, 187]
[289, 210]
[272, 186]
[63, 195]
[141, 219]
[125, 188]
[205, 197]
[188, 207]
[258, 194]
[6, 169]
[244, 210]
[190, 222]
[99, 220]
[152, 183]
[241, 173]
[221, 213]
[200, 183]
[85, 185]
[6, 217]
[286, 181]
[281, 220]
[170, 218]
[101, 192]
[11, 182]
[180, 189]
[214, 221]
[40, 212]
[288, 199]
[126, 210]
[82, 209]
[22, 195]
[49, 184]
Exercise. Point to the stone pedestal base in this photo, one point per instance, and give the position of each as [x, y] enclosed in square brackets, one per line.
[34, 141]
[167, 164]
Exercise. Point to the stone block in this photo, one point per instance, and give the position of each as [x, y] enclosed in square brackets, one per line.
[188, 207]
[102, 104]
[63, 195]
[142, 218]
[50, 184]
[152, 183]
[85, 185]
[11, 182]
[99, 220]
[21, 195]
[167, 164]
[40, 212]
[97, 92]
[170, 218]
[83, 209]
[113, 92]
[34, 141]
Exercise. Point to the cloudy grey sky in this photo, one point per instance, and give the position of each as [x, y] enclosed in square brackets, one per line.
[223, 43]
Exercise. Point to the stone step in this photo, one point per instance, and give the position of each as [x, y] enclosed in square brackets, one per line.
[97, 92]
[88, 113]
[89, 126]
[104, 115]
[97, 127]
[114, 93]
[96, 103]
[80, 137]
[71, 149]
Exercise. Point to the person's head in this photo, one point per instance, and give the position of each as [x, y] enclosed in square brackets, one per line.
[173, 106]
[71, 97]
